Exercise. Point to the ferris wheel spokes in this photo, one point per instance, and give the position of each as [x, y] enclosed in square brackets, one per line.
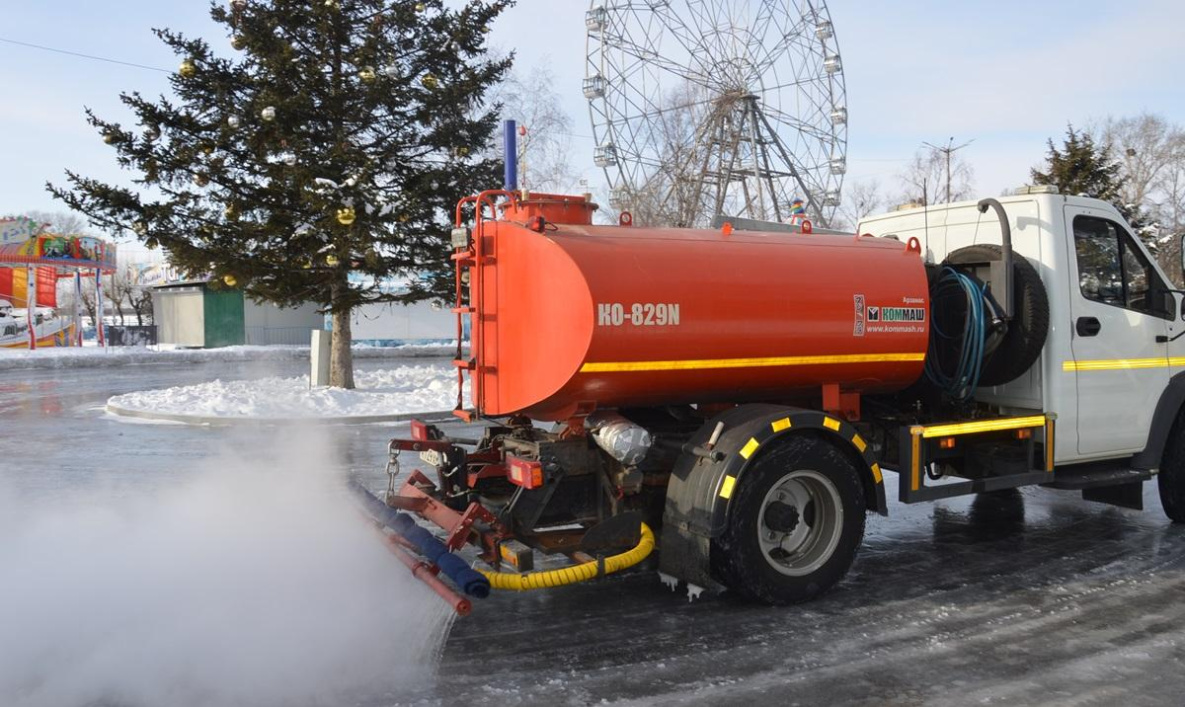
[702, 107]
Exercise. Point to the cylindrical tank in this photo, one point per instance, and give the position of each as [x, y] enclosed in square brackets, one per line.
[579, 317]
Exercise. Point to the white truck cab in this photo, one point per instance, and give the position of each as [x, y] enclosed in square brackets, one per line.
[1113, 352]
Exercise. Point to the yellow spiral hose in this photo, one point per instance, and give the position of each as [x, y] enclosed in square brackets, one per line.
[576, 573]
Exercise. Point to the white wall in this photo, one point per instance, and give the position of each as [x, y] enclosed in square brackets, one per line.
[404, 322]
[180, 316]
[266, 323]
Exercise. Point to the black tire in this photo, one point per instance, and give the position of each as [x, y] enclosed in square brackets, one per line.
[1030, 326]
[744, 565]
[1171, 479]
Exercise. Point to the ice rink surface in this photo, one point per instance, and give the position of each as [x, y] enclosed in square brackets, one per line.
[1034, 597]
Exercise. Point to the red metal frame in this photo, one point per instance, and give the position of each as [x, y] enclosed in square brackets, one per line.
[458, 525]
[471, 258]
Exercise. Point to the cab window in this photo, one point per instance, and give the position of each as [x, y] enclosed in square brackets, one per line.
[1113, 270]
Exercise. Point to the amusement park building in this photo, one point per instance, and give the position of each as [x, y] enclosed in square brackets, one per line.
[192, 314]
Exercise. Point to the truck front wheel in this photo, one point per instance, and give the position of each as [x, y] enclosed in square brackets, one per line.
[795, 523]
[1171, 479]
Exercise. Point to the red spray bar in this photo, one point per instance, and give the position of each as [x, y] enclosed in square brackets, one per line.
[426, 573]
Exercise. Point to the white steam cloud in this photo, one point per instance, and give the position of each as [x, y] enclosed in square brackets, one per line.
[251, 583]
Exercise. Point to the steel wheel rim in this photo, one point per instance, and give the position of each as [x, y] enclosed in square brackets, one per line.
[815, 534]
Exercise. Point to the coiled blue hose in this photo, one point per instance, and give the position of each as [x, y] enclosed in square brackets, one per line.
[961, 382]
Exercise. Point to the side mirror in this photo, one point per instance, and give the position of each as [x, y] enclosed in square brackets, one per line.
[1181, 265]
[1181, 256]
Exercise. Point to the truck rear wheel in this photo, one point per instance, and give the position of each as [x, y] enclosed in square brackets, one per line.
[1171, 479]
[795, 524]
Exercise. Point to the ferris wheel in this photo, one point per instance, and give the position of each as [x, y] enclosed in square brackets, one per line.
[706, 107]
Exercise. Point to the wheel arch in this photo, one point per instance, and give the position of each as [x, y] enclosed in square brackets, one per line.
[1168, 409]
[776, 428]
[701, 490]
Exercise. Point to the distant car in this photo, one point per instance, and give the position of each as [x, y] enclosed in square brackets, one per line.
[8, 322]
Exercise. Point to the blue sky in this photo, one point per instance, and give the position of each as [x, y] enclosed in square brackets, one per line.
[1008, 74]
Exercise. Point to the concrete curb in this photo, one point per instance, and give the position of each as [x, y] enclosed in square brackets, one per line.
[212, 421]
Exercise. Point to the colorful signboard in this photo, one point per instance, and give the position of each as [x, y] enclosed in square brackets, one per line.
[19, 230]
[61, 251]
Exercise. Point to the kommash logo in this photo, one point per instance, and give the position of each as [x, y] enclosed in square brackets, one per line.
[878, 319]
[896, 314]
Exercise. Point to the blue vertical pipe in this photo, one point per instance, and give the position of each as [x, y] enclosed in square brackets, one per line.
[510, 156]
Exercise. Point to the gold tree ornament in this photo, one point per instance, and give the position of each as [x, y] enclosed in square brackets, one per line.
[268, 113]
[238, 42]
[367, 74]
[200, 179]
[234, 122]
[230, 280]
[332, 4]
[346, 215]
[187, 69]
[430, 82]
[110, 137]
[420, 7]
[331, 260]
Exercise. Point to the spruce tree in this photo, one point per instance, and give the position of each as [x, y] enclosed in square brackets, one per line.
[335, 140]
[1084, 167]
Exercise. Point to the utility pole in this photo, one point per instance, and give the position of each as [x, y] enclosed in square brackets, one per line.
[948, 151]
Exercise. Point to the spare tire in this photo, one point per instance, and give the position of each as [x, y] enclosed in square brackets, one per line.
[1029, 327]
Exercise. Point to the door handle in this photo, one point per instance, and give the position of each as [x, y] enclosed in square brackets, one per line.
[1087, 326]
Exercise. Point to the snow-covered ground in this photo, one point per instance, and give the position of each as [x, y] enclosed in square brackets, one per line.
[1033, 597]
[387, 392]
[94, 356]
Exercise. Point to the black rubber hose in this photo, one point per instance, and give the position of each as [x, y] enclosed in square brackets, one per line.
[433, 550]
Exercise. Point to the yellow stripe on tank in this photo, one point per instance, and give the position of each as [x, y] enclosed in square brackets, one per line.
[767, 362]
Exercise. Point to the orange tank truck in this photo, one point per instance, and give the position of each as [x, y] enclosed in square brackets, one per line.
[576, 317]
[733, 399]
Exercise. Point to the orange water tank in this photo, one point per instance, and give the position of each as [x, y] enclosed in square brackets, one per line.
[577, 316]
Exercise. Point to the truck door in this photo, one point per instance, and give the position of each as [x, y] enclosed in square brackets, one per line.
[1118, 309]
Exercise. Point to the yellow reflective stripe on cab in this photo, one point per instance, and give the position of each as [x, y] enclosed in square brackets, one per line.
[1122, 364]
[697, 364]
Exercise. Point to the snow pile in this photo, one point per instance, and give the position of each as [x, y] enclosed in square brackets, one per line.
[94, 356]
[251, 582]
[383, 393]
